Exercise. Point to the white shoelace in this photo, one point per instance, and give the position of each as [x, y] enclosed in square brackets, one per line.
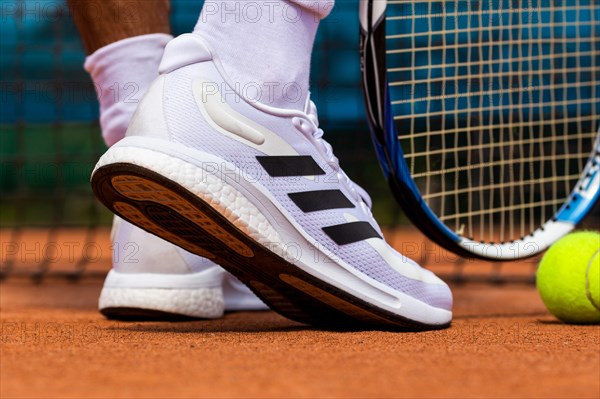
[315, 134]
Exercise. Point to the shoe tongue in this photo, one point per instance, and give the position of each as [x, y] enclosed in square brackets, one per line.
[310, 109]
[308, 105]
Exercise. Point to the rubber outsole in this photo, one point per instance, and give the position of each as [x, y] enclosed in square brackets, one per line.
[168, 210]
[139, 314]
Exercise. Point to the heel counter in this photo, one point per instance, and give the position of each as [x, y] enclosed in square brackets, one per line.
[149, 118]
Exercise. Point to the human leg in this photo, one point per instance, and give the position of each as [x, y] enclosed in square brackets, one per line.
[150, 277]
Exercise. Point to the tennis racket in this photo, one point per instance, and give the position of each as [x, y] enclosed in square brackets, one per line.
[485, 116]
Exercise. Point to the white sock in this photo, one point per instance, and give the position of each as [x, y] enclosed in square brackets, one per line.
[265, 46]
[122, 73]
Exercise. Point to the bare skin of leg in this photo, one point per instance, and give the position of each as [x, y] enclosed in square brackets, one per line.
[101, 22]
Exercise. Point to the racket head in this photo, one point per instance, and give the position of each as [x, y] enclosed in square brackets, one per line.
[574, 204]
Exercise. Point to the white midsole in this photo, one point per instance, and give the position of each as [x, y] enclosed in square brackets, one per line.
[211, 278]
[194, 294]
[252, 209]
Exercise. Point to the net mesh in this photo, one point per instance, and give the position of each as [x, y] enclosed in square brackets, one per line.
[50, 224]
[496, 106]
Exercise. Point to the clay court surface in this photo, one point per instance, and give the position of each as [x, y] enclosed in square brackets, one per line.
[502, 343]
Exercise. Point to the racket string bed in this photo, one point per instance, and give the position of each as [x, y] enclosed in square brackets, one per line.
[496, 107]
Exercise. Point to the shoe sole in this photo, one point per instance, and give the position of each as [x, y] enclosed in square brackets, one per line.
[168, 210]
[152, 302]
[148, 296]
[140, 314]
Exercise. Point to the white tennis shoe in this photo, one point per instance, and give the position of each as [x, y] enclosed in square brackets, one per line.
[154, 279]
[257, 190]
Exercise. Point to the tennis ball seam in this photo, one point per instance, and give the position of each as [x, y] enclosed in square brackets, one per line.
[588, 292]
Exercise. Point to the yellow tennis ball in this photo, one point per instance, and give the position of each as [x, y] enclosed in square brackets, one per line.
[568, 278]
[594, 280]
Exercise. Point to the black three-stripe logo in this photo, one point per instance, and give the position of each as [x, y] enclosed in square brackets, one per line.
[349, 233]
[292, 165]
[320, 200]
